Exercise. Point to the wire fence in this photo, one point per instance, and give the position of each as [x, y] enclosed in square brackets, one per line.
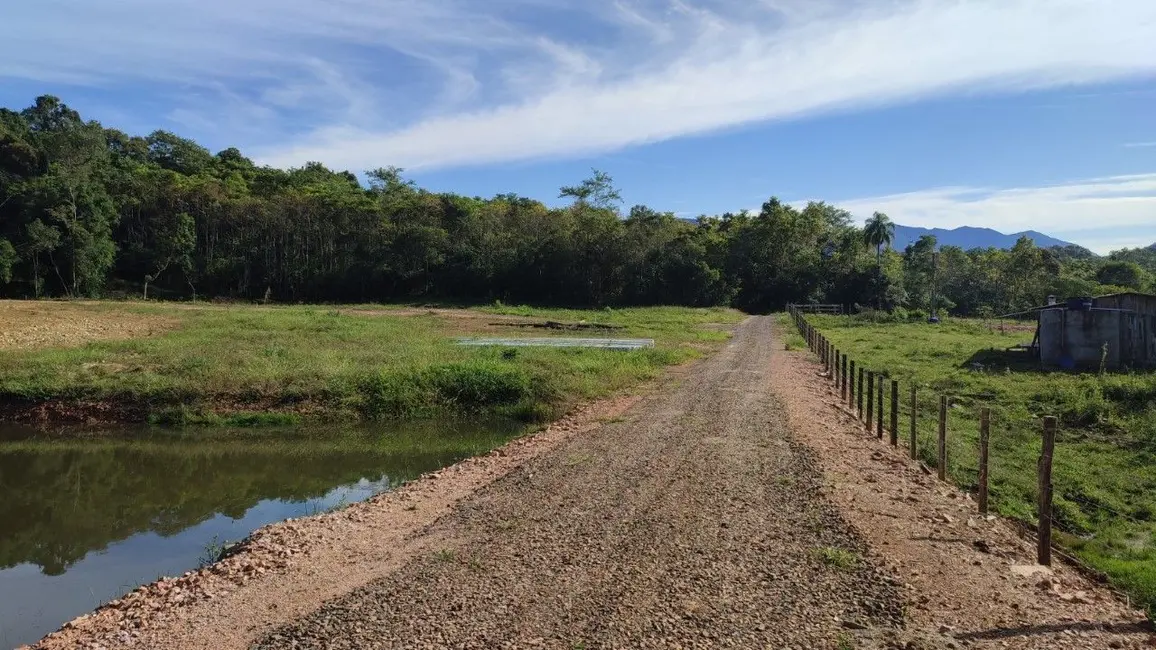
[959, 449]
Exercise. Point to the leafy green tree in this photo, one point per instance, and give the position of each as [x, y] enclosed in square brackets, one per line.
[71, 193]
[919, 271]
[178, 154]
[1123, 274]
[1024, 276]
[8, 259]
[879, 232]
[597, 191]
[82, 205]
[42, 239]
[175, 240]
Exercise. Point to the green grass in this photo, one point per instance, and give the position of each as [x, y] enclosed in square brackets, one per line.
[837, 558]
[1105, 459]
[219, 362]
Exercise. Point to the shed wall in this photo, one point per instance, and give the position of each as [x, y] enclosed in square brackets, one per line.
[1137, 302]
[1076, 339]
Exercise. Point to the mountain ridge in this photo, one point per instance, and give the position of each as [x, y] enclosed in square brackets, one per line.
[968, 237]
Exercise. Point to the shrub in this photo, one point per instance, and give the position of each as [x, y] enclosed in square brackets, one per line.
[463, 387]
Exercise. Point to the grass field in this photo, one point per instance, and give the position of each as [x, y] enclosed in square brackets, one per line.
[245, 364]
[1105, 458]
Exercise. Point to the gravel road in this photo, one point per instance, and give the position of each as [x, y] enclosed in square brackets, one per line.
[694, 521]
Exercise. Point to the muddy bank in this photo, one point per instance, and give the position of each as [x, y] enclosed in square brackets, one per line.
[69, 414]
[45, 414]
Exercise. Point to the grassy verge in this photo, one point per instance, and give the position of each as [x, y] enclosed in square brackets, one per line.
[1105, 458]
[246, 365]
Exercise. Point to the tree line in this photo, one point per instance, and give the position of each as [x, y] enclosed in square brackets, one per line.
[87, 211]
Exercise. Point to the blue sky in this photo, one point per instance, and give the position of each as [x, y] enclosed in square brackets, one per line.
[1012, 114]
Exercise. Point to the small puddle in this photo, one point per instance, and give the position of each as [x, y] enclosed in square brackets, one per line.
[85, 519]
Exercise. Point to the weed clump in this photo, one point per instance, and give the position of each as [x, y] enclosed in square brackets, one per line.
[455, 387]
[837, 558]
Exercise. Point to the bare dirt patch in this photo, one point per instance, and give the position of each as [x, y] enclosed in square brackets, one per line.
[44, 324]
[971, 577]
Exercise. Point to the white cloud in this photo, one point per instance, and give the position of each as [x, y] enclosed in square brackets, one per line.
[437, 83]
[1102, 214]
[725, 72]
[1139, 145]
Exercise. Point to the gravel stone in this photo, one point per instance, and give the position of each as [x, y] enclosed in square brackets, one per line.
[698, 522]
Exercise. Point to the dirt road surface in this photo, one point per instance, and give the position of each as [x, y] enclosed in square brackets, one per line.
[694, 521]
[693, 517]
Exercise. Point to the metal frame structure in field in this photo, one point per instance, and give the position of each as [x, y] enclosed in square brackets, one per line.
[817, 308]
[558, 342]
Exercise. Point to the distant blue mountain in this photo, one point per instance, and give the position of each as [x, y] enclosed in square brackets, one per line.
[967, 237]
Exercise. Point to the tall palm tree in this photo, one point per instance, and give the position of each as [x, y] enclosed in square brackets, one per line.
[879, 232]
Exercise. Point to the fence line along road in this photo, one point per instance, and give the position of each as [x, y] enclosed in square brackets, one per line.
[848, 389]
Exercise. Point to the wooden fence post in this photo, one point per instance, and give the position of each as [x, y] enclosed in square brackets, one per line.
[879, 410]
[843, 382]
[914, 420]
[942, 449]
[851, 388]
[894, 412]
[859, 393]
[1044, 548]
[870, 422]
[984, 432]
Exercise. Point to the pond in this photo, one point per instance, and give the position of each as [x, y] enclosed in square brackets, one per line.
[85, 518]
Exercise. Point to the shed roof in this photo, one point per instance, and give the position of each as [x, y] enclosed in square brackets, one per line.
[1127, 293]
[1060, 304]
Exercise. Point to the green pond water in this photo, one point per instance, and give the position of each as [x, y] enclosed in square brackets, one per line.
[85, 518]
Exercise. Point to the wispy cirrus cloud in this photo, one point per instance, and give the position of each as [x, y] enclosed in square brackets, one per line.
[730, 66]
[441, 83]
[1102, 214]
[1139, 145]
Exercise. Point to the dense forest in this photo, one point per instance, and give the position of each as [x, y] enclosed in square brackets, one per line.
[89, 211]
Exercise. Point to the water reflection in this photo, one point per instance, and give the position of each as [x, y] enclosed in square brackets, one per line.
[85, 520]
